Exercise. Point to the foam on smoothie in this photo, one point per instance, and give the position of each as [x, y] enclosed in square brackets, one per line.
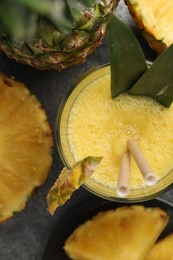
[101, 126]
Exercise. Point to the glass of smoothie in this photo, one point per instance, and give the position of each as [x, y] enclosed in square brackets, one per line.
[91, 123]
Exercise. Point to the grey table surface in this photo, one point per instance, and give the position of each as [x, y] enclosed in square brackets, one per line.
[25, 236]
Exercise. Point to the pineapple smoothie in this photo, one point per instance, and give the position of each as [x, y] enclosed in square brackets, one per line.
[97, 125]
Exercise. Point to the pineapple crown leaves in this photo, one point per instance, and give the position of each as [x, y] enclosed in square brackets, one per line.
[129, 70]
[19, 17]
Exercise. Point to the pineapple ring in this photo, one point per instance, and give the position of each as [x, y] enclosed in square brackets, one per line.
[25, 146]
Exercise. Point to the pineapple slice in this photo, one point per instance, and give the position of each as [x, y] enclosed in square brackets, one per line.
[162, 250]
[69, 181]
[25, 146]
[124, 233]
[154, 18]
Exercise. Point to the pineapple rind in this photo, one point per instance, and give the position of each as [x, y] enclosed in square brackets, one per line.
[25, 146]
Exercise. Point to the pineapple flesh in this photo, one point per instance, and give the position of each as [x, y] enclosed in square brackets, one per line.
[25, 146]
[128, 232]
[154, 19]
[162, 250]
[54, 34]
[70, 180]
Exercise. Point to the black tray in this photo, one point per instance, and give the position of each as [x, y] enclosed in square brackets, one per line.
[54, 250]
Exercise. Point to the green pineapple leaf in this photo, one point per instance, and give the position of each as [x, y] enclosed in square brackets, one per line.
[77, 6]
[46, 5]
[40, 6]
[127, 60]
[64, 15]
[14, 23]
[157, 81]
[55, 11]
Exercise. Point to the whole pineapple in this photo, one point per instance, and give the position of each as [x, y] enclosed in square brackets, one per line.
[52, 34]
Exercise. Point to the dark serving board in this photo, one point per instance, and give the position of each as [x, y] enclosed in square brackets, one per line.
[54, 250]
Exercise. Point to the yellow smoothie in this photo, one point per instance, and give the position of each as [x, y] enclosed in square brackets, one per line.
[98, 125]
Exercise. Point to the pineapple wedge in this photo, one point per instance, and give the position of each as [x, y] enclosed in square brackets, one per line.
[154, 19]
[163, 250]
[25, 146]
[124, 233]
[69, 181]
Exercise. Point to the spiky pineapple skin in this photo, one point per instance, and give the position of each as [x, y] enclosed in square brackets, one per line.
[58, 51]
[156, 45]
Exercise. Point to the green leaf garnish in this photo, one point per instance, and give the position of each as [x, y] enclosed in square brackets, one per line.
[157, 81]
[127, 60]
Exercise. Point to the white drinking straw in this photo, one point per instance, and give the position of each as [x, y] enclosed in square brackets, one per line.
[122, 188]
[146, 170]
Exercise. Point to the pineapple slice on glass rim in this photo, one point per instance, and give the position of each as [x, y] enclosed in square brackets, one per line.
[69, 180]
[25, 146]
